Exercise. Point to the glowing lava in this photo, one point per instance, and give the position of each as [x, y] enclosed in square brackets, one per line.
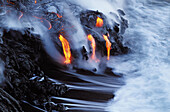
[93, 45]
[66, 49]
[58, 15]
[35, 1]
[50, 26]
[108, 46]
[21, 15]
[99, 22]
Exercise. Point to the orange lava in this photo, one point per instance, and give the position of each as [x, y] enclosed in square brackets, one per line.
[99, 22]
[58, 15]
[93, 45]
[50, 26]
[108, 46]
[37, 17]
[21, 15]
[66, 49]
[35, 1]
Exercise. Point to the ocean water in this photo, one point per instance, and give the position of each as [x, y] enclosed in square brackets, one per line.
[147, 68]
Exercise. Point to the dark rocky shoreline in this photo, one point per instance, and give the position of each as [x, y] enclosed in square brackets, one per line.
[24, 78]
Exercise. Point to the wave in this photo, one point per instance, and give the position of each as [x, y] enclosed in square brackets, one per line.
[147, 67]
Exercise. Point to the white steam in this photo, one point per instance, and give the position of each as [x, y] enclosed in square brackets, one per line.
[78, 39]
[47, 42]
[107, 7]
[11, 21]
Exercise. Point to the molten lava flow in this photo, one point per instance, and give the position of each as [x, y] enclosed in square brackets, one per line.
[21, 15]
[35, 1]
[99, 22]
[66, 49]
[37, 17]
[50, 26]
[58, 15]
[108, 46]
[93, 45]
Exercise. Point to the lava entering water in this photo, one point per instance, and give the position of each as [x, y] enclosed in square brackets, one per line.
[108, 46]
[66, 49]
[93, 45]
[99, 22]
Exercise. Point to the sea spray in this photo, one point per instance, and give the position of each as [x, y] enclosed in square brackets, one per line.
[147, 68]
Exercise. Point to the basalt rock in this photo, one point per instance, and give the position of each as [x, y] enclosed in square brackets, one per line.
[25, 80]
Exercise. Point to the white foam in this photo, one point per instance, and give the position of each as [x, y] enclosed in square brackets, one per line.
[148, 90]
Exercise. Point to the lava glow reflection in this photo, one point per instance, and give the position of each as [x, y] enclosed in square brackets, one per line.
[108, 46]
[66, 49]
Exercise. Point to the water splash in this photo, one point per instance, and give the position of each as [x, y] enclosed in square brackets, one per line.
[147, 69]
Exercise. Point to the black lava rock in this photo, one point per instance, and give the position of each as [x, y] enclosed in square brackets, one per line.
[25, 80]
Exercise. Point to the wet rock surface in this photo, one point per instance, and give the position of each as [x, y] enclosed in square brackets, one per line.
[25, 80]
